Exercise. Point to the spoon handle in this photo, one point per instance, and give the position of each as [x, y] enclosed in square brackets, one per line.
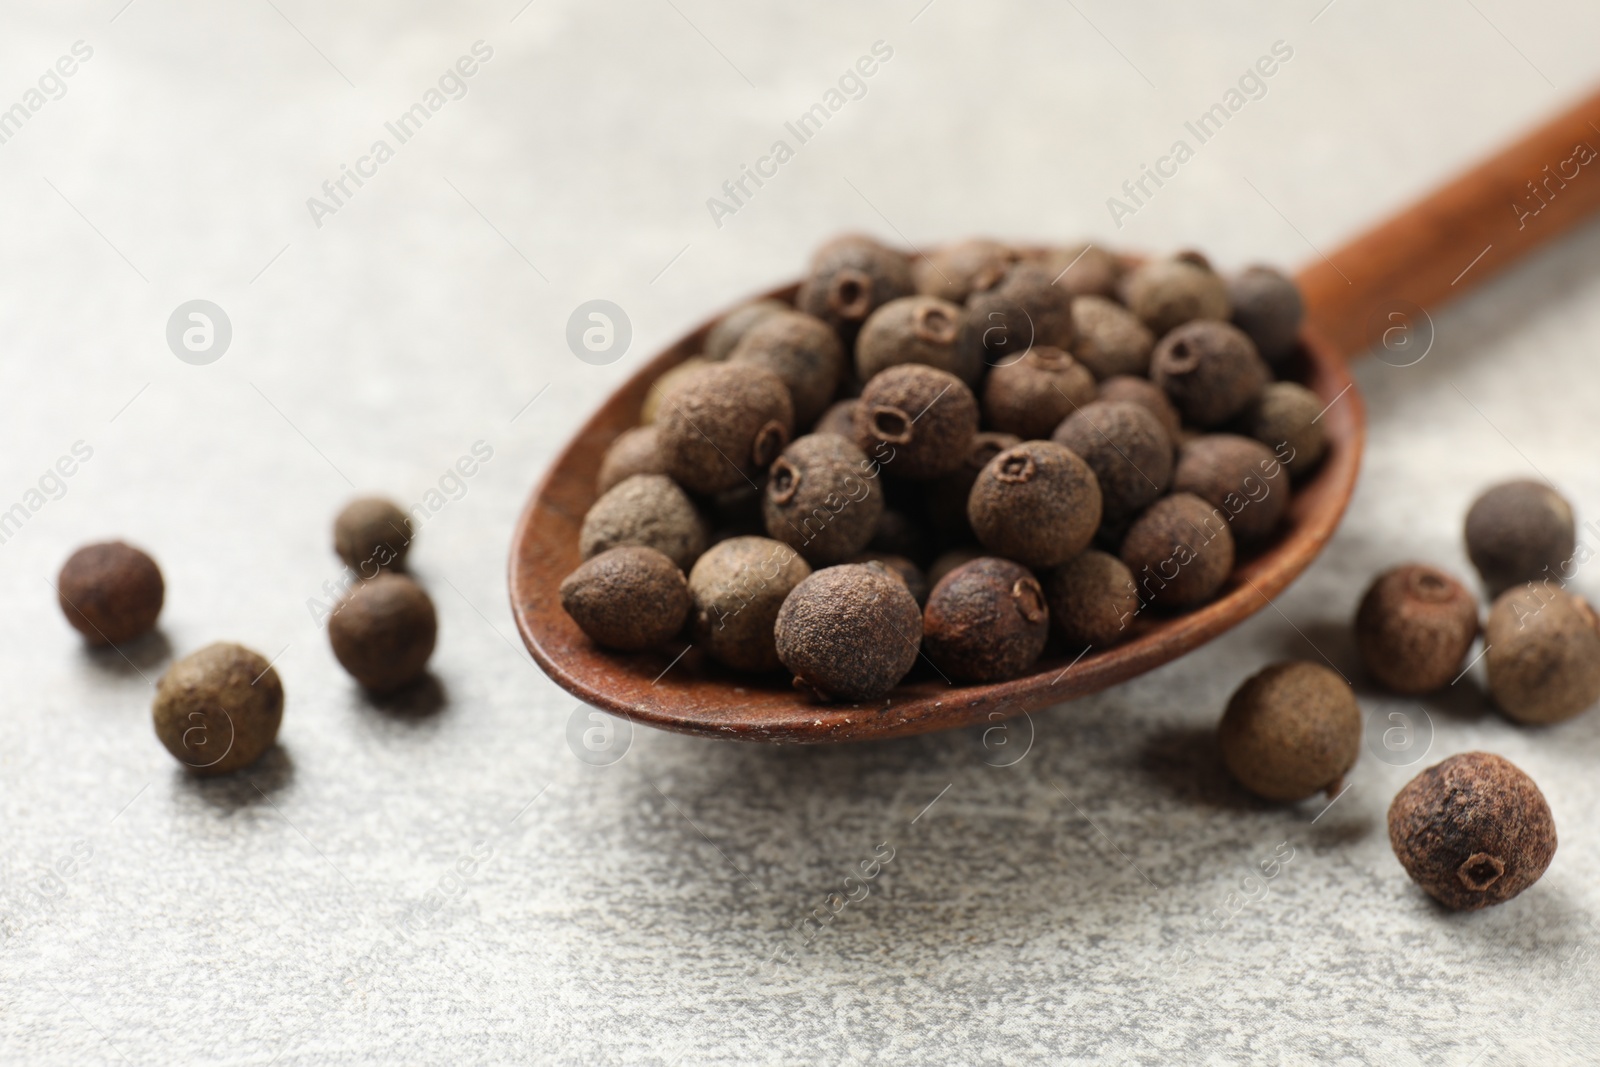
[1460, 235]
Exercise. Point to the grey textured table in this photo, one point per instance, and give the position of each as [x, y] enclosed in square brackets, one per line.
[442, 880]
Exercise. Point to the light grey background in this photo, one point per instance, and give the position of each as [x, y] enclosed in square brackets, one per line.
[1057, 910]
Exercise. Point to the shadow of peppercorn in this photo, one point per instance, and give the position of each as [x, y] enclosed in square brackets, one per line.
[245, 788]
[142, 658]
[1185, 762]
[414, 703]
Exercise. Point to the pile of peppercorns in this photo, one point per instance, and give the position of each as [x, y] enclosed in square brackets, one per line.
[958, 454]
[218, 710]
[1473, 830]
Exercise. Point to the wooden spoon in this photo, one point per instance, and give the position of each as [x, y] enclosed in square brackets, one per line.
[1374, 291]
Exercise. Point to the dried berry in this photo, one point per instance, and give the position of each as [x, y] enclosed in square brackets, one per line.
[1285, 418]
[1128, 451]
[729, 330]
[372, 534]
[1148, 395]
[1414, 627]
[649, 510]
[915, 329]
[635, 451]
[650, 410]
[949, 561]
[1472, 831]
[737, 588]
[902, 568]
[1030, 395]
[1037, 503]
[1239, 475]
[110, 592]
[1092, 600]
[803, 352]
[1023, 311]
[917, 422]
[820, 500]
[896, 534]
[1180, 551]
[850, 278]
[1209, 370]
[218, 709]
[850, 632]
[1543, 653]
[946, 498]
[956, 271]
[1111, 339]
[627, 598]
[1267, 306]
[1518, 532]
[724, 425]
[1291, 730]
[1166, 293]
[383, 632]
[1079, 269]
[840, 418]
[986, 621]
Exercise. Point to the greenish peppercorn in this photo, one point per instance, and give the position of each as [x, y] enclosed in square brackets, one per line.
[915, 329]
[956, 271]
[1037, 503]
[1092, 600]
[1292, 730]
[110, 592]
[649, 510]
[737, 588]
[820, 500]
[724, 425]
[1030, 395]
[1543, 655]
[1166, 293]
[801, 350]
[729, 330]
[1286, 418]
[383, 632]
[1414, 628]
[1111, 339]
[916, 422]
[627, 598]
[1239, 475]
[1267, 306]
[986, 621]
[218, 710]
[849, 633]
[1180, 551]
[850, 278]
[1209, 370]
[1520, 531]
[1128, 451]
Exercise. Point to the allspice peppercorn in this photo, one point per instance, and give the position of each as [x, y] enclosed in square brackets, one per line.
[820, 500]
[1148, 395]
[801, 350]
[1092, 600]
[1128, 451]
[218, 709]
[372, 534]
[850, 278]
[1543, 655]
[950, 560]
[901, 568]
[1472, 831]
[649, 510]
[1166, 293]
[840, 418]
[1030, 395]
[946, 499]
[729, 330]
[1080, 269]
[1023, 310]
[724, 425]
[670, 378]
[383, 632]
[635, 451]
[1209, 370]
[897, 534]
[915, 329]
[1111, 339]
[1267, 306]
[986, 621]
[1239, 475]
[627, 598]
[1037, 503]
[1285, 418]
[1414, 628]
[1520, 531]
[1180, 551]
[737, 588]
[1291, 730]
[958, 270]
[916, 421]
[110, 592]
[850, 632]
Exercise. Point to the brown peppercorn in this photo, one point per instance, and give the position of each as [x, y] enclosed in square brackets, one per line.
[1267, 306]
[850, 278]
[820, 500]
[915, 329]
[649, 510]
[1285, 419]
[650, 410]
[729, 330]
[1111, 339]
[218, 709]
[110, 592]
[1030, 395]
[1024, 310]
[1166, 293]
[628, 598]
[850, 632]
[1239, 475]
[1092, 600]
[635, 451]
[1209, 370]
[1472, 831]
[1180, 551]
[383, 632]
[803, 352]
[896, 534]
[946, 499]
[724, 425]
[737, 588]
[1128, 451]
[1037, 503]
[950, 560]
[840, 418]
[1148, 395]
[372, 534]
[902, 568]
[985, 621]
[1291, 730]
[1543, 653]
[1414, 627]
[956, 271]
[916, 421]
[1520, 531]
[1081, 269]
